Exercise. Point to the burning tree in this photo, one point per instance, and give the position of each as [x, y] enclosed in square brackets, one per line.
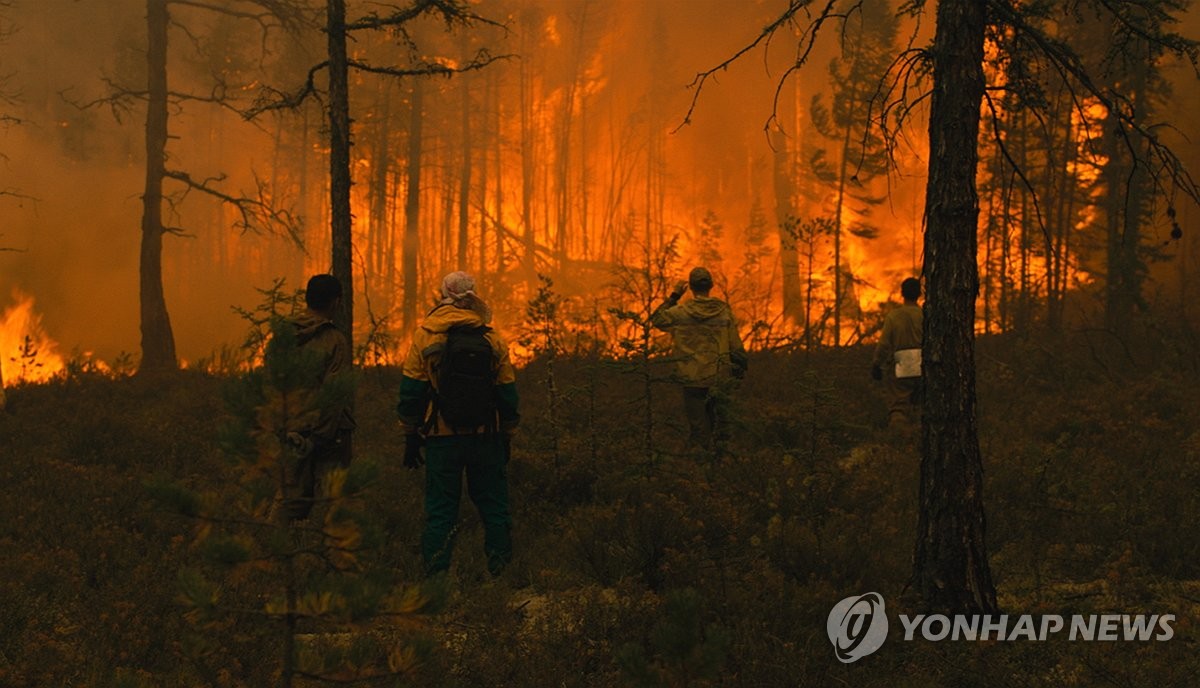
[950, 570]
[400, 21]
[861, 154]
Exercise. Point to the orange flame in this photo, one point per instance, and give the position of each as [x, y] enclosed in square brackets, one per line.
[27, 353]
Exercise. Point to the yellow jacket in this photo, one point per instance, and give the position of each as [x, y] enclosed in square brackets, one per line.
[418, 383]
[707, 345]
[901, 330]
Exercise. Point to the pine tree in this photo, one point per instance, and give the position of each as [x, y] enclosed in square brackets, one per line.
[305, 587]
[849, 122]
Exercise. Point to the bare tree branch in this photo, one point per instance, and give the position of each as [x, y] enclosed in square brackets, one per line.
[482, 59]
[452, 12]
[1073, 71]
[805, 44]
[272, 99]
[257, 212]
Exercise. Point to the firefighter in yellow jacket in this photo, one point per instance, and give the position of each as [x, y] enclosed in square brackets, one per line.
[899, 350]
[458, 400]
[708, 355]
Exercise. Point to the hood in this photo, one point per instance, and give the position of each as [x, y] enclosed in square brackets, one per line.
[704, 307]
[308, 324]
[443, 318]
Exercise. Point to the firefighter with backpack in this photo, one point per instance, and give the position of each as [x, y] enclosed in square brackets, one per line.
[458, 401]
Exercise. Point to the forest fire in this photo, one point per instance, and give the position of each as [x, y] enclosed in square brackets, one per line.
[573, 162]
[27, 353]
[720, 311]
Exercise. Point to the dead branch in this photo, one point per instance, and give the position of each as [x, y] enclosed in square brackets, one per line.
[807, 40]
[257, 212]
[1073, 71]
[451, 11]
[271, 99]
[482, 59]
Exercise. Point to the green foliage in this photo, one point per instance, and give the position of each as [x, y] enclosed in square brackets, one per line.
[173, 497]
[271, 572]
[277, 302]
[686, 651]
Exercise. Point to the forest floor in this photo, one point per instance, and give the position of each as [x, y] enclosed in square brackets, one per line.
[635, 564]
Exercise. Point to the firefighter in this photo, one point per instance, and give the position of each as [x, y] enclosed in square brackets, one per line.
[326, 443]
[458, 401]
[899, 349]
[709, 356]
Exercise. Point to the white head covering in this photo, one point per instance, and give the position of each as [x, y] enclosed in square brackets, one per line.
[458, 290]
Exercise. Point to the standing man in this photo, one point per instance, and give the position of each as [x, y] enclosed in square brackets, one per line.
[325, 443]
[709, 354]
[458, 398]
[899, 348]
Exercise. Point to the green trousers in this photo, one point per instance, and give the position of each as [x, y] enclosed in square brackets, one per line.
[707, 410]
[904, 401]
[483, 459]
[302, 478]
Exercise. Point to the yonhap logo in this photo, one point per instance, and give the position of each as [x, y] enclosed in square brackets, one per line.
[857, 626]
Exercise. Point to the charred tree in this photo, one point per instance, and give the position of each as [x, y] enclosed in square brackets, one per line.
[950, 566]
[158, 341]
[464, 179]
[157, 337]
[340, 220]
[785, 220]
[412, 206]
[529, 20]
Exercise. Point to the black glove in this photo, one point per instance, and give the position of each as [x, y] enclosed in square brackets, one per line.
[677, 293]
[412, 451]
[876, 372]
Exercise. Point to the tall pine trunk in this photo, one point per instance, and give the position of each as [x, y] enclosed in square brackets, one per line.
[412, 206]
[785, 219]
[950, 569]
[339, 164]
[158, 341]
[464, 180]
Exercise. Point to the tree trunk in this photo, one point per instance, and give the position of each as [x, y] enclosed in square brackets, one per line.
[158, 341]
[376, 254]
[339, 165]
[785, 219]
[464, 179]
[498, 174]
[527, 151]
[950, 570]
[412, 207]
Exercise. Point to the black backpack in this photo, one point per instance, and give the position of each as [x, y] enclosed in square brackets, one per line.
[466, 379]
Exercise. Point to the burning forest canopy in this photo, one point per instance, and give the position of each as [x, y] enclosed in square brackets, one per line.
[567, 156]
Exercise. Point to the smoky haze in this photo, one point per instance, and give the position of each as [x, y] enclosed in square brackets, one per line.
[76, 172]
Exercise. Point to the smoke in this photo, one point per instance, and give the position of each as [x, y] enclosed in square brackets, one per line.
[596, 101]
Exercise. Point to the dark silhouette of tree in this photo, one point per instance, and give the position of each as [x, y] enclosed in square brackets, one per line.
[950, 568]
[256, 210]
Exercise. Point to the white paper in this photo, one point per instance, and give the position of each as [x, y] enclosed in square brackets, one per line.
[908, 363]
